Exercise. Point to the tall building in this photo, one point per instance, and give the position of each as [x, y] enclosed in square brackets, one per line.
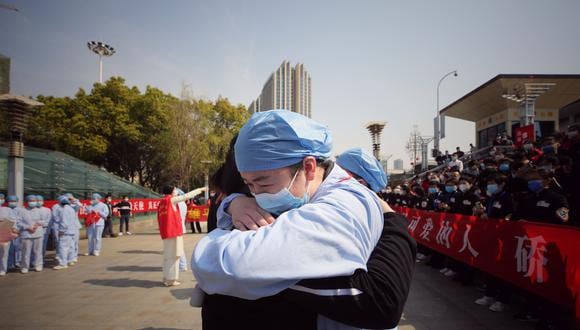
[398, 164]
[287, 88]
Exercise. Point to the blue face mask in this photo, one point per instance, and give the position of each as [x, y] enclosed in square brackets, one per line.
[94, 202]
[504, 167]
[283, 200]
[32, 205]
[450, 189]
[536, 185]
[433, 190]
[492, 189]
[549, 150]
[12, 205]
[1, 202]
[40, 204]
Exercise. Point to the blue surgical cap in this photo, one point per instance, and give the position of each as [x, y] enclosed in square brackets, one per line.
[12, 198]
[63, 199]
[97, 196]
[39, 197]
[279, 138]
[366, 166]
[31, 197]
[68, 195]
[1, 195]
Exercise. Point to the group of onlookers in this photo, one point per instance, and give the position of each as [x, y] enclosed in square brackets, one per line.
[33, 225]
[534, 181]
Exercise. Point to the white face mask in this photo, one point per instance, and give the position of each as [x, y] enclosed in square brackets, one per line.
[463, 187]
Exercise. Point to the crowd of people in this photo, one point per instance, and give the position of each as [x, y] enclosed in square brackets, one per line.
[533, 182]
[538, 182]
[33, 225]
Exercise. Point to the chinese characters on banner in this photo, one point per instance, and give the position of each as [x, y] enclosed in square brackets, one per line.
[138, 205]
[196, 213]
[536, 257]
[143, 205]
[522, 134]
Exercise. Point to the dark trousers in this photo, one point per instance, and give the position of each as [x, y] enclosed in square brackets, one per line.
[108, 230]
[124, 219]
[497, 289]
[197, 225]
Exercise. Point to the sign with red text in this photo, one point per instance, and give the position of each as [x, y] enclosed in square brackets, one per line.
[540, 258]
[138, 205]
[522, 134]
[197, 213]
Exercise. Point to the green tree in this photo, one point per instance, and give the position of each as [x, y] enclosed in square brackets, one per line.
[149, 138]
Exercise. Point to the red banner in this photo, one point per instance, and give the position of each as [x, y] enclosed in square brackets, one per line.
[522, 134]
[540, 258]
[138, 205]
[142, 205]
[197, 213]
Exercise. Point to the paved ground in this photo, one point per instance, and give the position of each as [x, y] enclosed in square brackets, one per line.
[121, 289]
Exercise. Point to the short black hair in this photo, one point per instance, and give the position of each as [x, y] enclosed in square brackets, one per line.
[168, 189]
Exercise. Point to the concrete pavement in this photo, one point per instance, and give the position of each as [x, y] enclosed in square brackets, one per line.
[121, 289]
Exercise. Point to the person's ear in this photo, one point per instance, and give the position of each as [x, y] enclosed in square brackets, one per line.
[309, 164]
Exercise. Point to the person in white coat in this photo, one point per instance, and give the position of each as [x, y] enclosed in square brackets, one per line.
[46, 215]
[76, 205]
[66, 226]
[183, 213]
[95, 230]
[171, 231]
[6, 214]
[30, 224]
[328, 223]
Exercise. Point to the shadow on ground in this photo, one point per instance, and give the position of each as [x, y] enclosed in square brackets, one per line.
[125, 283]
[182, 294]
[140, 252]
[135, 269]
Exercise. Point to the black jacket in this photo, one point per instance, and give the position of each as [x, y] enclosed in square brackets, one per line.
[124, 208]
[385, 287]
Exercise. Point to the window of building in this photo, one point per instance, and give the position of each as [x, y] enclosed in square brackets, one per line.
[487, 135]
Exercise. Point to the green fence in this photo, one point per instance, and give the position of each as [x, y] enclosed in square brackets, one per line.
[51, 173]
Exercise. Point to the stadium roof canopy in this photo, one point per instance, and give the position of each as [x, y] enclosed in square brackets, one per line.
[494, 96]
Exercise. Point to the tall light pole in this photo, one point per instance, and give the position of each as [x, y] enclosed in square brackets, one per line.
[101, 49]
[376, 128]
[437, 119]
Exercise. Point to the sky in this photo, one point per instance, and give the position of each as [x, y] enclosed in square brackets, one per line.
[369, 60]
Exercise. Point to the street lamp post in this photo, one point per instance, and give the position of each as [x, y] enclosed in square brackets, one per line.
[101, 49]
[437, 119]
[18, 109]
